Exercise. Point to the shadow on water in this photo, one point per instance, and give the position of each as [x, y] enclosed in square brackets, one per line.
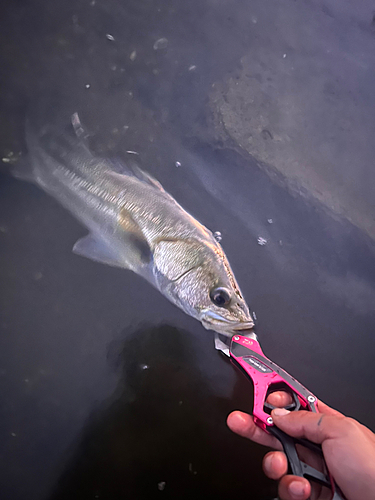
[162, 430]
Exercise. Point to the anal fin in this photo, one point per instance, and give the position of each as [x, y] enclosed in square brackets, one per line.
[135, 252]
[23, 171]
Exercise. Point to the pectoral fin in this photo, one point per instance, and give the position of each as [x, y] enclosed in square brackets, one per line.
[135, 252]
[95, 249]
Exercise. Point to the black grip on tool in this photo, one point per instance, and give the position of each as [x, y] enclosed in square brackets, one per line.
[299, 468]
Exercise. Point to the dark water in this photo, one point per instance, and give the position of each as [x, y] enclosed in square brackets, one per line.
[108, 390]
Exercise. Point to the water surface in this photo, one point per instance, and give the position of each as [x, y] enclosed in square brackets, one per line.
[108, 390]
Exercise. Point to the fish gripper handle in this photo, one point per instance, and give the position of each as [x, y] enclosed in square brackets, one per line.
[268, 377]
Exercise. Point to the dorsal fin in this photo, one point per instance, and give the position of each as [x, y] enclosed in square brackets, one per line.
[133, 170]
[146, 177]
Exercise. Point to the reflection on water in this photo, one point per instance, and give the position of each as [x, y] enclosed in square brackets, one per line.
[163, 429]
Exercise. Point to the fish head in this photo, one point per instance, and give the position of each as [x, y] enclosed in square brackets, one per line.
[197, 277]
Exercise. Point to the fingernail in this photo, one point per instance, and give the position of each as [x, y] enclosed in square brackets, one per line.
[280, 412]
[297, 489]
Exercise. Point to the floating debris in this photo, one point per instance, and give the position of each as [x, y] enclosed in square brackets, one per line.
[270, 221]
[11, 157]
[262, 241]
[87, 86]
[192, 67]
[161, 485]
[133, 153]
[38, 276]
[133, 55]
[254, 20]
[254, 315]
[178, 164]
[3, 229]
[180, 403]
[13, 434]
[144, 367]
[93, 2]
[284, 56]
[160, 44]
[110, 37]
[217, 236]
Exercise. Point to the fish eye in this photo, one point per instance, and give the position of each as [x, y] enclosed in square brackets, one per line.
[220, 296]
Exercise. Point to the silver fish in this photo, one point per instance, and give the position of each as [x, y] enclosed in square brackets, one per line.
[135, 224]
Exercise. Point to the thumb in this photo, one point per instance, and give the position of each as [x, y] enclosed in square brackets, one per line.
[316, 427]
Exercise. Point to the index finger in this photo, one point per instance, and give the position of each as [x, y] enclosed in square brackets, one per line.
[280, 399]
[244, 425]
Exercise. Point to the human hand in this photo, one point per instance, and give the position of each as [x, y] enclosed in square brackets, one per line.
[348, 448]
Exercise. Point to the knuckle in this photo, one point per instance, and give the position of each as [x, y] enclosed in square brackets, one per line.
[349, 425]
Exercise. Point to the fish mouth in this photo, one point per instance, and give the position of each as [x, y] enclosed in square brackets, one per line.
[213, 321]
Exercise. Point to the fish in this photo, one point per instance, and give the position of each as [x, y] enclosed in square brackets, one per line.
[135, 224]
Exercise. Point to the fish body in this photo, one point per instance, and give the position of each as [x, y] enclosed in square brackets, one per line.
[135, 224]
